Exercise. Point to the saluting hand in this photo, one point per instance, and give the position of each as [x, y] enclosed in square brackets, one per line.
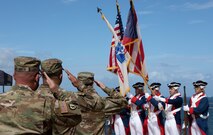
[100, 84]
[51, 83]
[72, 78]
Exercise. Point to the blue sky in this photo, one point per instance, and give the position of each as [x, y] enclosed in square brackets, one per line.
[177, 37]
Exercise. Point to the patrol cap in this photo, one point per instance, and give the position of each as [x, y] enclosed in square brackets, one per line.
[175, 85]
[26, 64]
[200, 83]
[86, 77]
[155, 85]
[138, 85]
[51, 66]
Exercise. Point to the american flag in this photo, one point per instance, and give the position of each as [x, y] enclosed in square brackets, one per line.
[122, 59]
[132, 41]
[118, 28]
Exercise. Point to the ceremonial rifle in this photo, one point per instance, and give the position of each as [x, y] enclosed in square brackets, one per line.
[185, 113]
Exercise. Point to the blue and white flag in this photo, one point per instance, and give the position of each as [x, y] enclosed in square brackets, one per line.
[123, 58]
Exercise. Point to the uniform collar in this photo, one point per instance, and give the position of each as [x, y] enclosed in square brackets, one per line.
[158, 93]
[44, 85]
[199, 94]
[175, 95]
[24, 86]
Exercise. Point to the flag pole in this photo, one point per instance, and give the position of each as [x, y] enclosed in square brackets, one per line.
[110, 27]
[118, 8]
[122, 71]
[141, 74]
[131, 3]
[185, 113]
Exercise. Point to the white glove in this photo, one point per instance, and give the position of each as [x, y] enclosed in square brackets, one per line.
[160, 106]
[129, 102]
[162, 99]
[186, 108]
[147, 95]
[146, 105]
[157, 98]
[129, 95]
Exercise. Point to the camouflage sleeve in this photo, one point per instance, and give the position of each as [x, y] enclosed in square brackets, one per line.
[113, 106]
[65, 108]
[66, 113]
[90, 101]
[61, 94]
[112, 93]
[80, 86]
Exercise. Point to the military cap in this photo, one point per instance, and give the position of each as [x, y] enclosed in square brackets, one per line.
[86, 77]
[138, 85]
[200, 83]
[155, 85]
[86, 74]
[174, 84]
[26, 64]
[51, 66]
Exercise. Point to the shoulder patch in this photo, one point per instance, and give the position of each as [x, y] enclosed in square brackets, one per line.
[73, 107]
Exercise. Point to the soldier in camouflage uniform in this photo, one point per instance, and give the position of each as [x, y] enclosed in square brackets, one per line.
[96, 108]
[93, 120]
[23, 111]
[87, 100]
[53, 68]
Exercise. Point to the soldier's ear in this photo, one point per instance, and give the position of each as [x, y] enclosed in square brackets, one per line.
[61, 76]
[37, 77]
[14, 75]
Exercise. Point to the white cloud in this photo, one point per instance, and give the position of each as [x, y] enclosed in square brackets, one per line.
[158, 76]
[25, 52]
[68, 1]
[194, 76]
[196, 21]
[174, 57]
[171, 67]
[193, 6]
[183, 76]
[145, 12]
[199, 6]
[6, 59]
[7, 56]
[173, 7]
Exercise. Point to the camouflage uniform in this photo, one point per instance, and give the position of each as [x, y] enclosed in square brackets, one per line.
[52, 67]
[23, 111]
[93, 116]
[59, 128]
